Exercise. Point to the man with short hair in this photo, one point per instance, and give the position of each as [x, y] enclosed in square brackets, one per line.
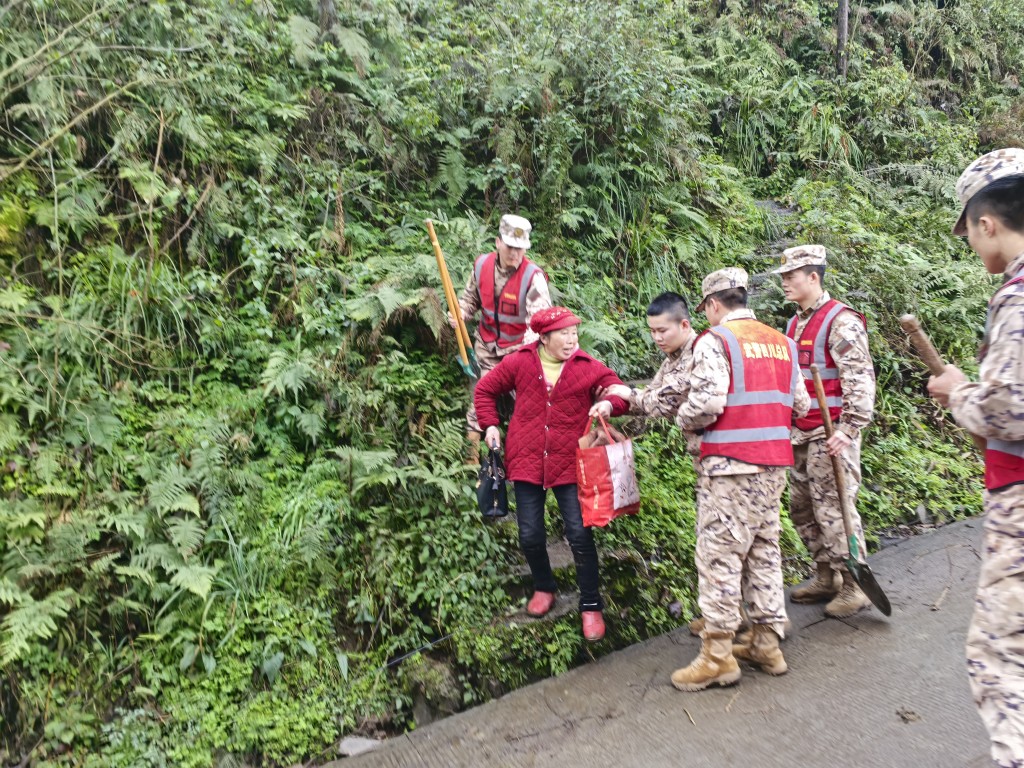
[991, 193]
[508, 290]
[668, 317]
[834, 337]
[745, 389]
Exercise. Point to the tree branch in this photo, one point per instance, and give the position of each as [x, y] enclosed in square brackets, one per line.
[53, 138]
[56, 41]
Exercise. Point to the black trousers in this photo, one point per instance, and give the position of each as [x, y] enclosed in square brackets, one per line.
[533, 540]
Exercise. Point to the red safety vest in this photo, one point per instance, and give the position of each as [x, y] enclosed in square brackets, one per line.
[755, 425]
[1004, 459]
[812, 347]
[503, 318]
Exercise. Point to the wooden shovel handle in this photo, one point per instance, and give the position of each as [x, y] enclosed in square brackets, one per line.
[923, 345]
[931, 358]
[837, 464]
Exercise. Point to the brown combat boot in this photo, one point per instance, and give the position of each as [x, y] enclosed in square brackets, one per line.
[824, 586]
[762, 651]
[714, 665]
[850, 600]
[473, 454]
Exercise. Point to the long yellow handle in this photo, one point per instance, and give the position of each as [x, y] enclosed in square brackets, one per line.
[459, 321]
[449, 292]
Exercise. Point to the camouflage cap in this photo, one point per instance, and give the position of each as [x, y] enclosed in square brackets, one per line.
[982, 172]
[722, 280]
[515, 231]
[801, 256]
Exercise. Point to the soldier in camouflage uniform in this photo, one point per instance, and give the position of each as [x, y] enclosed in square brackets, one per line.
[991, 193]
[745, 388]
[668, 317]
[508, 290]
[833, 336]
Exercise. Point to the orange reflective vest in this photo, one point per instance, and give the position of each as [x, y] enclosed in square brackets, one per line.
[755, 425]
[503, 317]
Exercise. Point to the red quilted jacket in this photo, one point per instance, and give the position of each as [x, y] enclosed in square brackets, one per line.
[545, 430]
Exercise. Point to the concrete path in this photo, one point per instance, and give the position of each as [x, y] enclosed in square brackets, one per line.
[861, 693]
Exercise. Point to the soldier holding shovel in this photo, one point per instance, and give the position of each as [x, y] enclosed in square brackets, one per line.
[991, 193]
[834, 337]
[507, 289]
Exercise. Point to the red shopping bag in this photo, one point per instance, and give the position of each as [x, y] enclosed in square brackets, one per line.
[606, 476]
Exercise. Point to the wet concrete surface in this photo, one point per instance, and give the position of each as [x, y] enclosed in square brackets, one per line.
[865, 691]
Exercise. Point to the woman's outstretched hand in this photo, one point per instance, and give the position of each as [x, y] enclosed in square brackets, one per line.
[600, 408]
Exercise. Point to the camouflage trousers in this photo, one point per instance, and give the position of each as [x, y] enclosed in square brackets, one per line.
[814, 500]
[995, 640]
[487, 358]
[738, 558]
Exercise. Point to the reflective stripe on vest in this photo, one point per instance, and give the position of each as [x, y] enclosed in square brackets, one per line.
[815, 335]
[755, 425]
[503, 318]
[1004, 459]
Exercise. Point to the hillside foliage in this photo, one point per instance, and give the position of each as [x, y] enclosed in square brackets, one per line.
[235, 520]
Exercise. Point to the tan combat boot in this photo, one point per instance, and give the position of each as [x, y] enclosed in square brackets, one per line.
[747, 631]
[849, 601]
[714, 665]
[473, 454]
[697, 626]
[824, 586]
[762, 651]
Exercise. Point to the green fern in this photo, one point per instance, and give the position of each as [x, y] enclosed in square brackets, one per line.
[33, 619]
[197, 579]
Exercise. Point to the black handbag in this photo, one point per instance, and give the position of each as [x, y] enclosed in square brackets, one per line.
[491, 493]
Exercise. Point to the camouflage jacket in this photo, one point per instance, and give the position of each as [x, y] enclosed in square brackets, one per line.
[709, 387]
[993, 406]
[537, 298]
[848, 345]
[669, 387]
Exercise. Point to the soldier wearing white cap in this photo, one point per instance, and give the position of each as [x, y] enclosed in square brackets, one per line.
[991, 193]
[745, 390]
[834, 337]
[508, 290]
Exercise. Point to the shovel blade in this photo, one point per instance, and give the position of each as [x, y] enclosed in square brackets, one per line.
[866, 581]
[471, 368]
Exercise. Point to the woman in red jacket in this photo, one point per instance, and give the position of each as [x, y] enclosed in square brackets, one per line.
[556, 385]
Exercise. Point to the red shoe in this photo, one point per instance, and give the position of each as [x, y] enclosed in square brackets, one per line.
[593, 625]
[540, 603]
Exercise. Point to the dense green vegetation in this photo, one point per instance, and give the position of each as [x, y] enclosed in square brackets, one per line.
[232, 497]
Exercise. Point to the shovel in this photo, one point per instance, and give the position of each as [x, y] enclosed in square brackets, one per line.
[855, 561]
[931, 358]
[467, 359]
